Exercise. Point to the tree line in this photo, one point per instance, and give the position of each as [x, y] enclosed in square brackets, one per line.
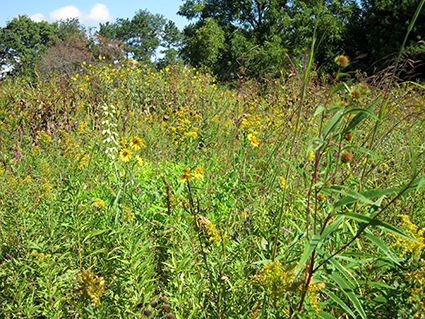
[259, 38]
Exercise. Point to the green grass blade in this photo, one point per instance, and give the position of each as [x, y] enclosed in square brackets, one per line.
[366, 219]
[332, 124]
[308, 250]
[340, 303]
[361, 116]
[348, 291]
[325, 315]
[381, 245]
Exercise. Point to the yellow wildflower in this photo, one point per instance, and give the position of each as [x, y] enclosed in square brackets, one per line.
[410, 246]
[136, 143]
[186, 175]
[97, 202]
[191, 134]
[253, 140]
[342, 60]
[282, 181]
[139, 160]
[311, 155]
[125, 154]
[215, 235]
[198, 172]
[90, 285]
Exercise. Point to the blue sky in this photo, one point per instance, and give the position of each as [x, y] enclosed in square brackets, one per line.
[89, 12]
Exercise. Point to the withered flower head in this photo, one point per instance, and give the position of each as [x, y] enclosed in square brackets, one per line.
[342, 60]
[346, 157]
[355, 94]
[348, 136]
[147, 312]
[166, 307]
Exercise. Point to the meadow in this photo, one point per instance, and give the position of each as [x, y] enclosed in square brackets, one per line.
[128, 191]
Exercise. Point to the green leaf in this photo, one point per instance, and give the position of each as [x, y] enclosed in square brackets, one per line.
[348, 291]
[330, 228]
[352, 194]
[366, 219]
[325, 315]
[308, 250]
[384, 106]
[341, 86]
[95, 233]
[363, 150]
[102, 250]
[417, 84]
[319, 110]
[381, 245]
[361, 116]
[420, 182]
[332, 124]
[340, 303]
[368, 194]
[349, 199]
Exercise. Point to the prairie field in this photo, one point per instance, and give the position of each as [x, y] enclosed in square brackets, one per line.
[133, 192]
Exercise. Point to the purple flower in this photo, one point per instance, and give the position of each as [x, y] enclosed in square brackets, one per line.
[17, 156]
[286, 230]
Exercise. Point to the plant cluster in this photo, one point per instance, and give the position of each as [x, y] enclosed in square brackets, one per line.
[129, 191]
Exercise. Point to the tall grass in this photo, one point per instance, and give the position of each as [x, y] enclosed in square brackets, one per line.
[131, 192]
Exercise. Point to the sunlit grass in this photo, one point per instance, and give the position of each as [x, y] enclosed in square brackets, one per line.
[130, 191]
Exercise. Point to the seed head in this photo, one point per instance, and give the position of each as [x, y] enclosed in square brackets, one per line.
[355, 94]
[147, 312]
[346, 157]
[166, 307]
[348, 136]
[342, 60]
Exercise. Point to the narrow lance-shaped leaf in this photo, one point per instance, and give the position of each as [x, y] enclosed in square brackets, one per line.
[348, 291]
[373, 222]
[308, 250]
[340, 303]
[332, 124]
[361, 116]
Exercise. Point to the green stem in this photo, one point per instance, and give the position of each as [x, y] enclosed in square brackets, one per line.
[294, 139]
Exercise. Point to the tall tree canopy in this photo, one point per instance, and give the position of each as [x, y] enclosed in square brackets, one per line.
[377, 31]
[22, 42]
[143, 34]
[61, 46]
[257, 34]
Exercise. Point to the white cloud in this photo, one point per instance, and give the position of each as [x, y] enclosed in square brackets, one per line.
[65, 13]
[98, 13]
[37, 17]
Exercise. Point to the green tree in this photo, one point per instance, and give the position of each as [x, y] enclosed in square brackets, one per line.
[171, 45]
[259, 33]
[143, 35]
[22, 43]
[377, 30]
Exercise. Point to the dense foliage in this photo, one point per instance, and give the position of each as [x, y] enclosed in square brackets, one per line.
[258, 34]
[133, 190]
[143, 34]
[128, 191]
[255, 38]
